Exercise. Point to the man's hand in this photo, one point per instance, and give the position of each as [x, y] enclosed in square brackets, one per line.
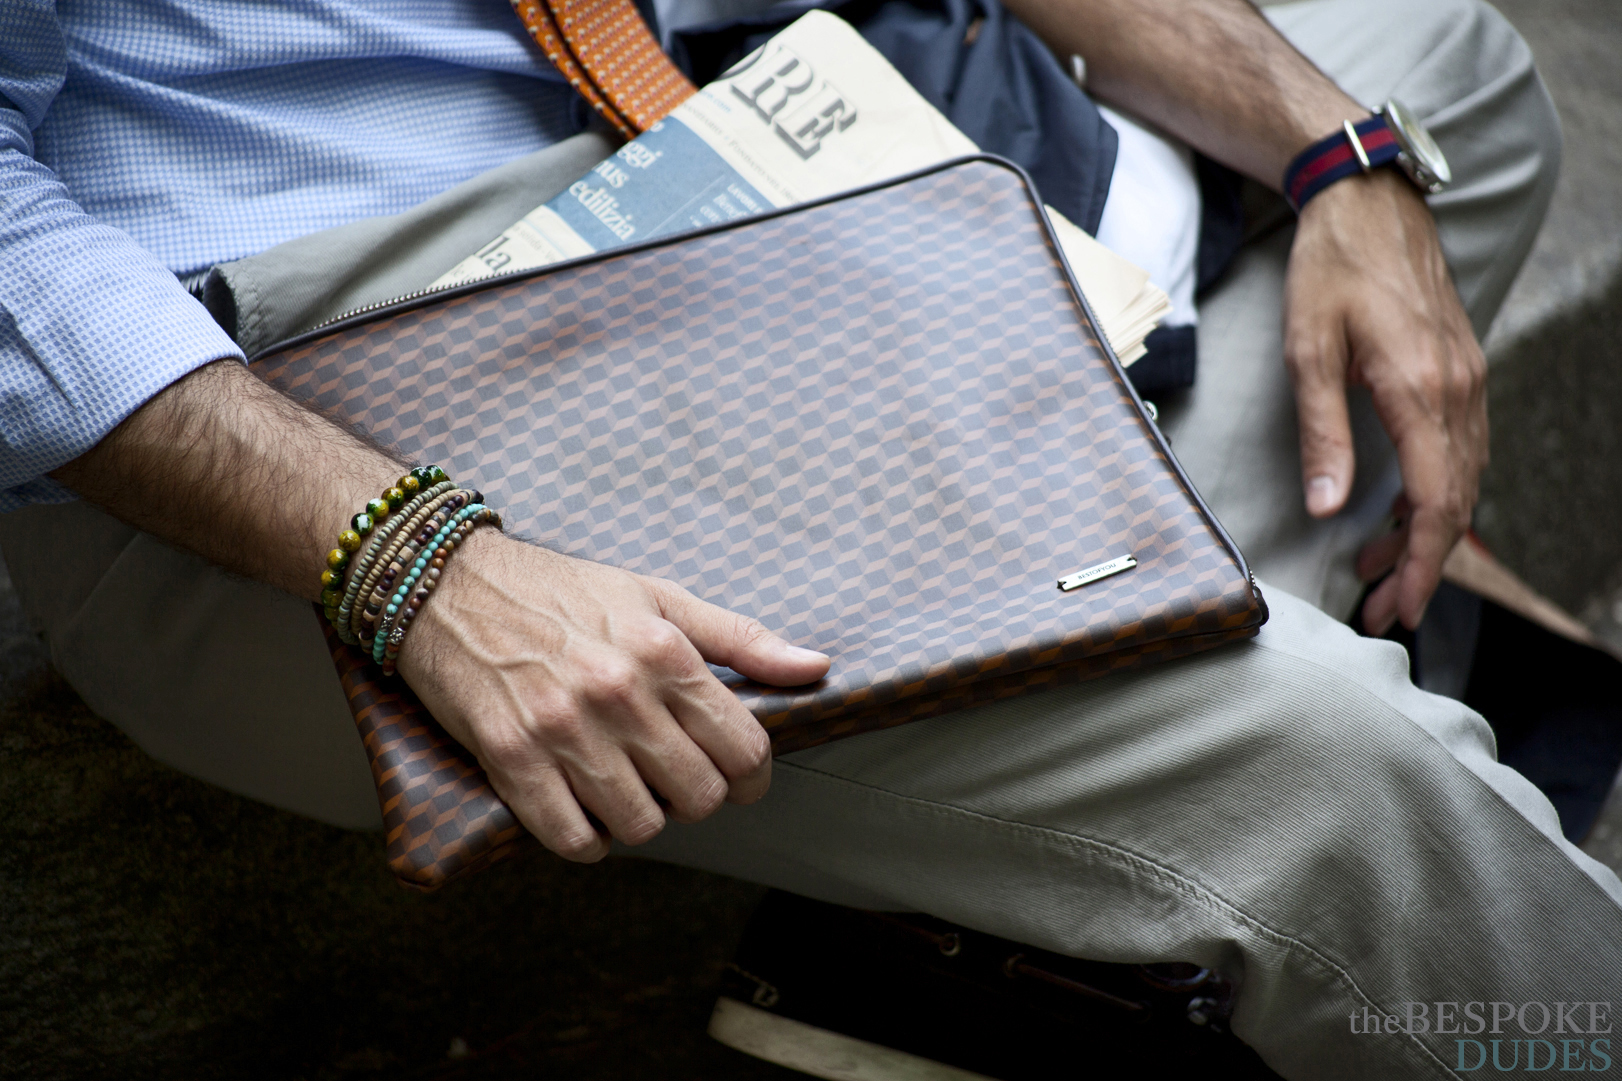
[582, 688]
[1368, 297]
[1368, 301]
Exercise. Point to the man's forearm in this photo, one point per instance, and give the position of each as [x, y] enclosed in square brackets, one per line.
[1214, 73]
[225, 466]
[1368, 295]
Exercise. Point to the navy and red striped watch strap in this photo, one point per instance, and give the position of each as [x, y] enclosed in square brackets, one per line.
[1335, 158]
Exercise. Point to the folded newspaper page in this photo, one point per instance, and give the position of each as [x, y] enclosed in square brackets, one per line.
[815, 111]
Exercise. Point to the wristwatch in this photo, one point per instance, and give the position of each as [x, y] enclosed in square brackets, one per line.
[1392, 136]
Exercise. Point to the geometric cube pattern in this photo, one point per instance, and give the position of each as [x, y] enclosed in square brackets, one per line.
[883, 425]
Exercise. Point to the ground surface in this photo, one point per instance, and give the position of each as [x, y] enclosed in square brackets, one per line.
[153, 926]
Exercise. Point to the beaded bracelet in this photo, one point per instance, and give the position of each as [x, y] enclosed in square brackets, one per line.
[401, 552]
[389, 618]
[349, 541]
[361, 566]
[362, 524]
[441, 555]
[426, 569]
[366, 570]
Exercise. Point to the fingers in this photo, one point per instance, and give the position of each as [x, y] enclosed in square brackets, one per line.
[736, 641]
[734, 741]
[718, 724]
[627, 740]
[544, 801]
[1435, 472]
[588, 701]
[1316, 358]
[1434, 410]
[1432, 534]
[1378, 556]
[1369, 300]
[1380, 610]
[1407, 590]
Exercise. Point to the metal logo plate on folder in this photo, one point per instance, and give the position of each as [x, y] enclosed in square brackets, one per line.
[1100, 570]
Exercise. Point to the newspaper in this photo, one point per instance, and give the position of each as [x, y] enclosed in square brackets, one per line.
[813, 112]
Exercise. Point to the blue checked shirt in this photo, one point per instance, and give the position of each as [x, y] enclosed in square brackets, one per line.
[141, 139]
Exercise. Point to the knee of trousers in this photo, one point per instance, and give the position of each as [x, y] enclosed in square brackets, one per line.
[1265, 772]
[1335, 776]
[221, 678]
[1491, 114]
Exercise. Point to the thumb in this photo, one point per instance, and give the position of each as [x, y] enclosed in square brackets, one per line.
[735, 641]
[1328, 459]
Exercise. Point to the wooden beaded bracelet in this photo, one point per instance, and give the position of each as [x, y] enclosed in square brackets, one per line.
[403, 552]
[389, 619]
[361, 525]
[404, 557]
[425, 587]
[365, 571]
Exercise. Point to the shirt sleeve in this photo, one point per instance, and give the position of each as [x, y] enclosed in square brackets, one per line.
[91, 324]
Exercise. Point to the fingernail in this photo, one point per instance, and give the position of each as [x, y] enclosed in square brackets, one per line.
[795, 653]
[1321, 493]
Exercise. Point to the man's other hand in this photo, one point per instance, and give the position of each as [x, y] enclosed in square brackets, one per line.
[582, 688]
[1369, 301]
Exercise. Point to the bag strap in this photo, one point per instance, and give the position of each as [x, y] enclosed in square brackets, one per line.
[608, 54]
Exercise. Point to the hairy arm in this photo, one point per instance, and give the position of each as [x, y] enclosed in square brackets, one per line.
[581, 688]
[1368, 297]
[225, 466]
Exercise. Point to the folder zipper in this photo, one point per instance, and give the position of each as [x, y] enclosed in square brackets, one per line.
[367, 309]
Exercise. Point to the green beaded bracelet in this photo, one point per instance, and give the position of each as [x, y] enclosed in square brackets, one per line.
[369, 566]
[362, 525]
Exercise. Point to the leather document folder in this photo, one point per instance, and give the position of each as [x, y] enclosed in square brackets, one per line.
[884, 424]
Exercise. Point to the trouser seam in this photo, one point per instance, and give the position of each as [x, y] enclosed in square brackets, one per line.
[1532, 833]
[1136, 861]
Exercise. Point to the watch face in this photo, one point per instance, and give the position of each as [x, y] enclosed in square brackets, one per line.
[1416, 141]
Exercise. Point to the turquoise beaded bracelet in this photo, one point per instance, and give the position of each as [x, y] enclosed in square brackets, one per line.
[398, 613]
[391, 612]
[402, 553]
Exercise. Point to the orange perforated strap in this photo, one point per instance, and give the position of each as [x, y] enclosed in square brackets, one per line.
[610, 57]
